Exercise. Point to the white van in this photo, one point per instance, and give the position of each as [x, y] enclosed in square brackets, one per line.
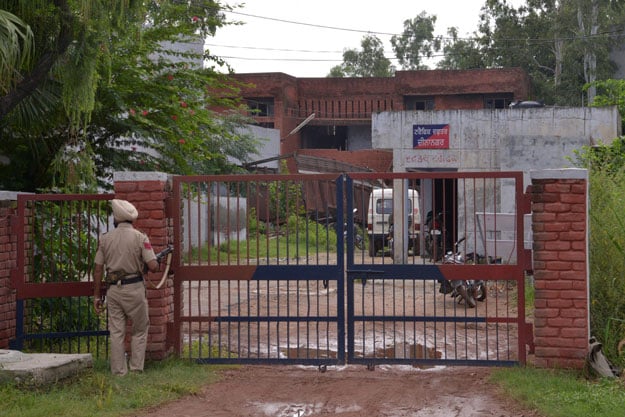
[380, 209]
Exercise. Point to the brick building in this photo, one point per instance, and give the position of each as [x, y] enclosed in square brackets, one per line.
[338, 138]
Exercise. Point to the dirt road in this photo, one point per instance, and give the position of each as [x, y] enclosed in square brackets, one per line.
[353, 391]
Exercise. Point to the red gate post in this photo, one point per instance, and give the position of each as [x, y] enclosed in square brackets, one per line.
[148, 191]
[8, 262]
[560, 262]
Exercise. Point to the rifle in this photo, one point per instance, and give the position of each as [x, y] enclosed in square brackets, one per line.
[159, 256]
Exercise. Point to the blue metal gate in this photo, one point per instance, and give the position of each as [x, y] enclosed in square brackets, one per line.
[396, 312]
[260, 269]
[302, 268]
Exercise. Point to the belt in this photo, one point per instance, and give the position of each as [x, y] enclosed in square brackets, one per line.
[130, 280]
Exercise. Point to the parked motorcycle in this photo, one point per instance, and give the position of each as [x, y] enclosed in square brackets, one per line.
[470, 291]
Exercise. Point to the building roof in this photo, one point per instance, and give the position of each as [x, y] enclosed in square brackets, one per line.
[331, 160]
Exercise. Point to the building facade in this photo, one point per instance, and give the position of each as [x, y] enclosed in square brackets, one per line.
[330, 118]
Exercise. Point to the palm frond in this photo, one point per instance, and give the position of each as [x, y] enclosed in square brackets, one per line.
[16, 49]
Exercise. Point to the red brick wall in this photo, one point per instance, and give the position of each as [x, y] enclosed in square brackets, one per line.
[559, 208]
[8, 260]
[339, 101]
[149, 198]
[476, 81]
[383, 93]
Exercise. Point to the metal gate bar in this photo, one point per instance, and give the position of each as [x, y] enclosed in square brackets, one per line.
[242, 302]
[261, 278]
[391, 323]
[395, 311]
[57, 238]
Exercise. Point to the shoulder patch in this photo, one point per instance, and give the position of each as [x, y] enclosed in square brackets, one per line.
[147, 245]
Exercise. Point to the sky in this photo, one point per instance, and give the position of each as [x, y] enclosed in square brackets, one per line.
[307, 38]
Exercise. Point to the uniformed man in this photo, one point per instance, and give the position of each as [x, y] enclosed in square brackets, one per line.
[123, 253]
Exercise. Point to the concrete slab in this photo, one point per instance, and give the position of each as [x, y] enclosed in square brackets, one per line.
[40, 368]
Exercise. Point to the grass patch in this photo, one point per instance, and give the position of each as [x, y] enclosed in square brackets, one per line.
[98, 393]
[298, 237]
[558, 393]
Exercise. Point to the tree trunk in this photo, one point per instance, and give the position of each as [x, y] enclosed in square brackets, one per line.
[558, 48]
[590, 58]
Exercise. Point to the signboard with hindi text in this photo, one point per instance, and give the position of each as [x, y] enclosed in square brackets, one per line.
[430, 136]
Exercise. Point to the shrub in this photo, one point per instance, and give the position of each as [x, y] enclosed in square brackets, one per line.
[607, 259]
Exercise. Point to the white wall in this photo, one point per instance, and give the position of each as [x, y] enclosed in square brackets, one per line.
[227, 220]
[497, 140]
[269, 146]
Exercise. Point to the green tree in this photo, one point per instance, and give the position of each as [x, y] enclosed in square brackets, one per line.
[460, 53]
[158, 113]
[609, 93]
[16, 48]
[560, 44]
[592, 17]
[68, 40]
[416, 42]
[151, 105]
[368, 62]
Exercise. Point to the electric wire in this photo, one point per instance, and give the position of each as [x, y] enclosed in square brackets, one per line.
[511, 43]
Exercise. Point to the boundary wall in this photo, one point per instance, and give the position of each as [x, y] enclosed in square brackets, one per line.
[560, 262]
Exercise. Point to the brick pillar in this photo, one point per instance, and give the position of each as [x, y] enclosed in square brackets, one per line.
[8, 262]
[560, 262]
[148, 192]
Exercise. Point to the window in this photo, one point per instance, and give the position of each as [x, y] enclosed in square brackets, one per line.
[497, 102]
[385, 206]
[260, 107]
[418, 103]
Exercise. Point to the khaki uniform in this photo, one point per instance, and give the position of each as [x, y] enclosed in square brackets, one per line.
[123, 251]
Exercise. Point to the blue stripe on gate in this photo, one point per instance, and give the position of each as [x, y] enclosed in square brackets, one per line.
[287, 273]
[297, 272]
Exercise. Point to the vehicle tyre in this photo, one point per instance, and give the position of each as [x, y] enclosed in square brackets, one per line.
[480, 292]
[466, 296]
[359, 241]
[445, 287]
